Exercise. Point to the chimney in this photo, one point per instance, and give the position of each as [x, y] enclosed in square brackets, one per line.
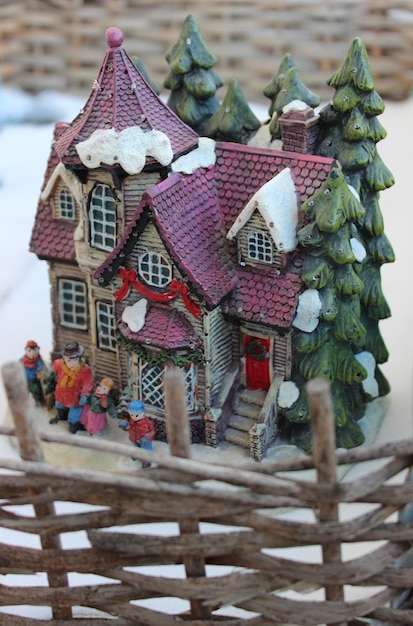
[299, 126]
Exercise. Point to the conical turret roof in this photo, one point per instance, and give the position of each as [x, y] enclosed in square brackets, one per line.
[121, 98]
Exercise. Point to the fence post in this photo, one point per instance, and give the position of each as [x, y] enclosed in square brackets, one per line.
[17, 392]
[324, 447]
[179, 440]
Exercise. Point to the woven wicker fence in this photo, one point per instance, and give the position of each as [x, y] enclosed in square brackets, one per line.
[225, 536]
[59, 44]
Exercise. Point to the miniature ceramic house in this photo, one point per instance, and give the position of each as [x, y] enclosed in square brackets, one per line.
[165, 248]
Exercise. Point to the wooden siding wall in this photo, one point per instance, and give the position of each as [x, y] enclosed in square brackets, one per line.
[133, 188]
[106, 362]
[150, 240]
[219, 343]
[282, 355]
[256, 222]
[63, 334]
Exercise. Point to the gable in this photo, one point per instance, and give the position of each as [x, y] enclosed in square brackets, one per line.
[276, 201]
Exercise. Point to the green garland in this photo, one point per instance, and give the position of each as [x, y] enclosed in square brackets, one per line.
[157, 358]
[257, 351]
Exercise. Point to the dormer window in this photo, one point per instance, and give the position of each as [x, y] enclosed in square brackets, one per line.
[260, 247]
[66, 205]
[154, 269]
[102, 218]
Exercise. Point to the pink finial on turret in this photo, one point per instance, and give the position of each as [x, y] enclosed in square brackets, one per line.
[114, 37]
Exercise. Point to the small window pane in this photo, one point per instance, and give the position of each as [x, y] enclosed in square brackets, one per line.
[102, 218]
[72, 298]
[260, 247]
[154, 269]
[105, 322]
[66, 205]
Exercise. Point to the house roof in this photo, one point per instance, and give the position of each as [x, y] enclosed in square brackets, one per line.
[264, 298]
[165, 327]
[242, 170]
[121, 98]
[187, 216]
[52, 238]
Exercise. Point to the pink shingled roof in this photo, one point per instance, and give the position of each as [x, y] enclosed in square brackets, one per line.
[52, 238]
[264, 298]
[164, 327]
[121, 98]
[242, 170]
[186, 214]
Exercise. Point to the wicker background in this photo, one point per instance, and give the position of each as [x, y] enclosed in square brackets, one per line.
[59, 44]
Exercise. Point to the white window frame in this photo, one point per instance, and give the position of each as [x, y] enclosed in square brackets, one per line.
[151, 389]
[66, 204]
[260, 247]
[73, 305]
[105, 325]
[154, 269]
[102, 218]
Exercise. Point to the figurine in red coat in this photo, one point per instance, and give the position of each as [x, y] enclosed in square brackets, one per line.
[74, 385]
[141, 429]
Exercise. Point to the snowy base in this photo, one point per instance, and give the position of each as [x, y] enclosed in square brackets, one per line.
[75, 457]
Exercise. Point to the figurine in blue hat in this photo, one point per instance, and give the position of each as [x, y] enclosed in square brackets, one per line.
[140, 427]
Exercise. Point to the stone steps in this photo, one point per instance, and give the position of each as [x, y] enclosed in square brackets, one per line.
[245, 409]
[256, 396]
[240, 422]
[237, 437]
[245, 414]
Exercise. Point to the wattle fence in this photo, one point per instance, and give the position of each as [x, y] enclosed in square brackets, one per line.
[185, 542]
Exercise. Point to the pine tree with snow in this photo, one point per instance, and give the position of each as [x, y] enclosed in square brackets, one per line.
[192, 80]
[286, 86]
[234, 120]
[349, 132]
[328, 323]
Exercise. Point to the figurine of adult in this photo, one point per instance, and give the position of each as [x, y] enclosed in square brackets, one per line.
[140, 427]
[97, 406]
[34, 368]
[73, 386]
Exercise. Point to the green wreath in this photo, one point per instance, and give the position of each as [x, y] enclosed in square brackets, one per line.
[257, 351]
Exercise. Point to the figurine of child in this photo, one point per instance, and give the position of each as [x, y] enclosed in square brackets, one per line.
[34, 367]
[141, 428]
[74, 385]
[97, 406]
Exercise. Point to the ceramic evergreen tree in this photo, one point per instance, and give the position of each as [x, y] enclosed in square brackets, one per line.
[325, 347]
[350, 131]
[234, 120]
[286, 86]
[192, 80]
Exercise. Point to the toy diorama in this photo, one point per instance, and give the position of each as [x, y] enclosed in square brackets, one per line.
[246, 253]
[213, 278]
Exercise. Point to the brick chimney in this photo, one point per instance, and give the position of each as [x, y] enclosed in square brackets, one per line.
[299, 125]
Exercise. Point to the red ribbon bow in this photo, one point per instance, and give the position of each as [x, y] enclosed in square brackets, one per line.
[129, 279]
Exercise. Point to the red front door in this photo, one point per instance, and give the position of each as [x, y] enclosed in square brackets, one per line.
[257, 362]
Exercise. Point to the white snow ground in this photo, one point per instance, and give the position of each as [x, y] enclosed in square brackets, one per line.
[24, 290]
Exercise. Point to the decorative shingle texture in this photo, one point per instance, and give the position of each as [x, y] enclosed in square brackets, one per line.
[264, 298]
[187, 216]
[165, 327]
[121, 98]
[242, 170]
[52, 238]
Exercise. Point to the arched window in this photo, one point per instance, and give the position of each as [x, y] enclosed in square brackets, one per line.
[102, 217]
[154, 269]
[66, 209]
[260, 247]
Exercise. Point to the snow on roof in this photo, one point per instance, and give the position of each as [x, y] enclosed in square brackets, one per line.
[277, 202]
